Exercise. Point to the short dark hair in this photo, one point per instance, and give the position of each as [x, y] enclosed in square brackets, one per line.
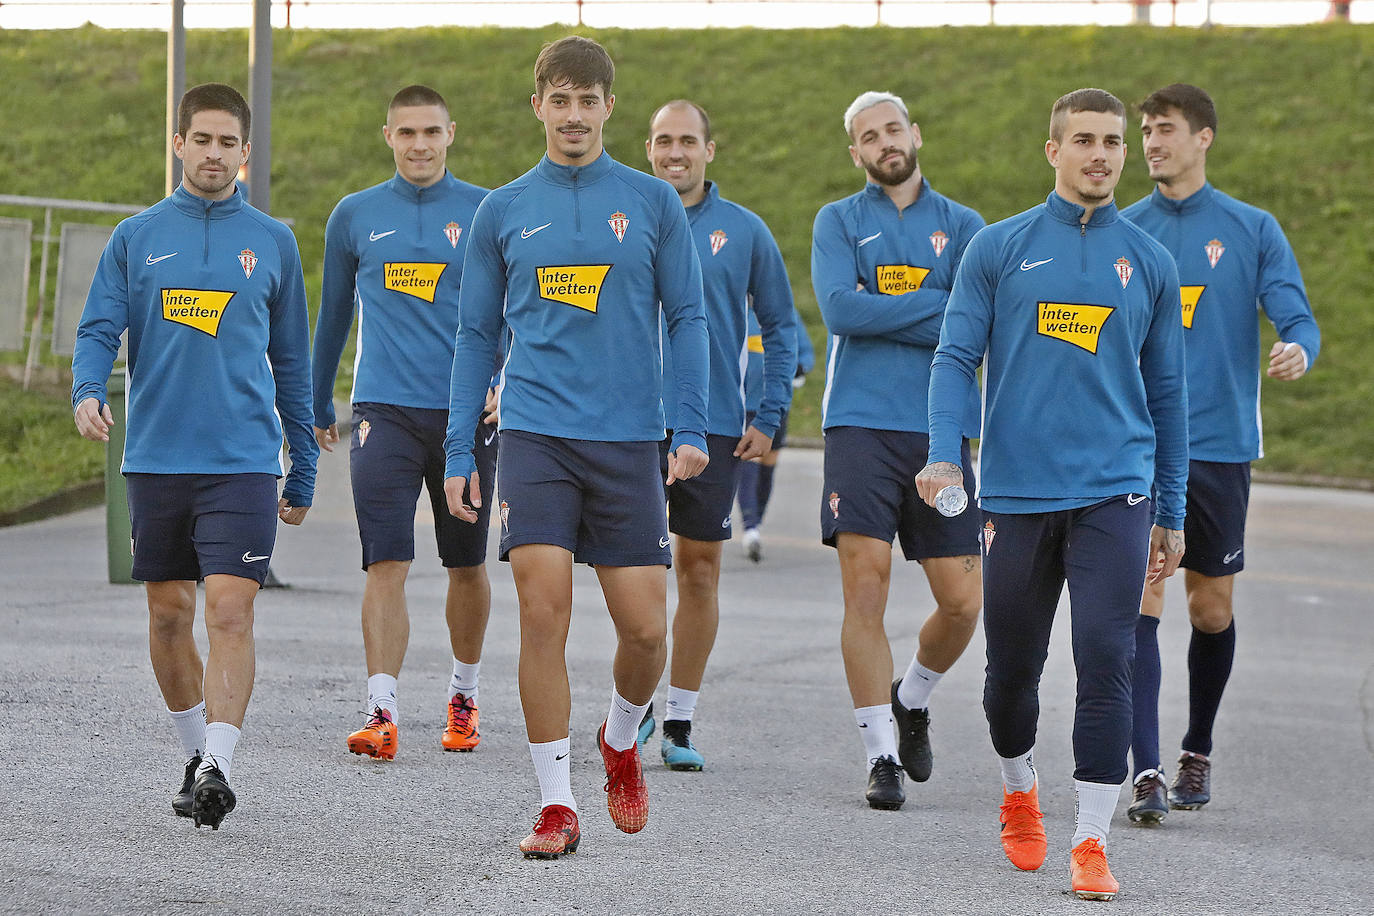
[573, 61]
[1194, 104]
[212, 97]
[1083, 100]
[415, 97]
[684, 103]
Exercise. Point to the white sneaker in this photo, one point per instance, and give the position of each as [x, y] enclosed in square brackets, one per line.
[753, 544]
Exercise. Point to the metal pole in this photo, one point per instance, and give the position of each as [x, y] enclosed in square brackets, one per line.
[176, 86]
[36, 333]
[260, 103]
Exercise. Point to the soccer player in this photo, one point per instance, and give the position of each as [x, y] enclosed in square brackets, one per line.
[1231, 258]
[756, 477]
[1085, 411]
[211, 293]
[742, 275]
[572, 259]
[396, 251]
[883, 263]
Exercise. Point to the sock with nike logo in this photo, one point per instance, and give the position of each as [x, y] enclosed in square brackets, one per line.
[622, 721]
[875, 728]
[553, 769]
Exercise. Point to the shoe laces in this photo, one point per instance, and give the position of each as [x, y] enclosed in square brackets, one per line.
[378, 718]
[1146, 784]
[885, 767]
[623, 768]
[1193, 772]
[554, 819]
[1091, 858]
[460, 710]
[1016, 809]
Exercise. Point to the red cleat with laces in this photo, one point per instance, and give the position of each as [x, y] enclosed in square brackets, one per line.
[555, 833]
[627, 797]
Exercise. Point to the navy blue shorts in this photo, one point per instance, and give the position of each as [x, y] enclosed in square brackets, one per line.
[392, 452]
[189, 526]
[699, 507]
[1214, 531]
[779, 437]
[601, 500]
[1101, 551]
[870, 489]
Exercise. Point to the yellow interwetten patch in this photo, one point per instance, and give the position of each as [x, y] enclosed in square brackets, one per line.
[573, 284]
[1073, 323]
[415, 279]
[201, 309]
[896, 279]
[754, 343]
[1190, 296]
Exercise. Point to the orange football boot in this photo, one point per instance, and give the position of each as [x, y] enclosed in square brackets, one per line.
[627, 797]
[378, 738]
[1092, 879]
[555, 833]
[461, 732]
[1023, 834]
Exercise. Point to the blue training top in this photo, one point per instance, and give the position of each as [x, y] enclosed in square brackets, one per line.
[219, 341]
[575, 261]
[1085, 396]
[753, 374]
[396, 251]
[883, 335]
[1231, 258]
[744, 282]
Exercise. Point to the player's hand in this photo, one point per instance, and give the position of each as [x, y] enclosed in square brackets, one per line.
[1286, 361]
[1166, 549]
[935, 477]
[685, 463]
[454, 490]
[93, 419]
[491, 413]
[327, 438]
[292, 515]
[753, 445]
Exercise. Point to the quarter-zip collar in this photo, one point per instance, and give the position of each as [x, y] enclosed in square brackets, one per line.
[200, 208]
[1071, 213]
[876, 193]
[416, 194]
[1198, 200]
[712, 196]
[575, 176]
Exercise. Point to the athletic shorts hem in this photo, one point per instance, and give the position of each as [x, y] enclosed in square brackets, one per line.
[831, 539]
[1211, 567]
[552, 540]
[257, 576]
[714, 537]
[595, 558]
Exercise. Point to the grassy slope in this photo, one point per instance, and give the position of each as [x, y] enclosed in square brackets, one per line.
[84, 118]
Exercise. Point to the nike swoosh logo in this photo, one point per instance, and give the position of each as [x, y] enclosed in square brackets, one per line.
[1231, 556]
[663, 542]
[1031, 265]
[560, 756]
[373, 236]
[863, 242]
[487, 440]
[1133, 500]
[249, 558]
[863, 725]
[526, 233]
[152, 260]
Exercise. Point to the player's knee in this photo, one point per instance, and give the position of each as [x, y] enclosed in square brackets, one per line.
[644, 637]
[1209, 609]
[229, 619]
[961, 610]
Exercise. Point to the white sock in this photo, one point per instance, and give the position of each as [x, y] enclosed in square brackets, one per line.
[1094, 804]
[622, 722]
[220, 739]
[552, 767]
[875, 727]
[914, 690]
[190, 728]
[464, 680]
[682, 704]
[1018, 773]
[381, 691]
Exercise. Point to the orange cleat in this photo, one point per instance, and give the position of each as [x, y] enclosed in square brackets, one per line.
[1092, 879]
[461, 732]
[555, 833]
[378, 738]
[627, 797]
[1023, 834]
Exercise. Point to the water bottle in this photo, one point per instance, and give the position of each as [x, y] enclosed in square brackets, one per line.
[950, 501]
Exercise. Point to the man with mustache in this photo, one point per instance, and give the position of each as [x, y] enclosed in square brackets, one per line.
[394, 254]
[883, 263]
[1073, 313]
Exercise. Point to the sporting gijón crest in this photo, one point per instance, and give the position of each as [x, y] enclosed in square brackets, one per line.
[619, 222]
[1214, 251]
[1124, 271]
[453, 232]
[718, 241]
[248, 260]
[938, 240]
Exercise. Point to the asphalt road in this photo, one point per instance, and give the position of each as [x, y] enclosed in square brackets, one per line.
[775, 823]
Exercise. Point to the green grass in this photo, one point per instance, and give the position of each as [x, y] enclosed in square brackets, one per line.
[40, 451]
[83, 115]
